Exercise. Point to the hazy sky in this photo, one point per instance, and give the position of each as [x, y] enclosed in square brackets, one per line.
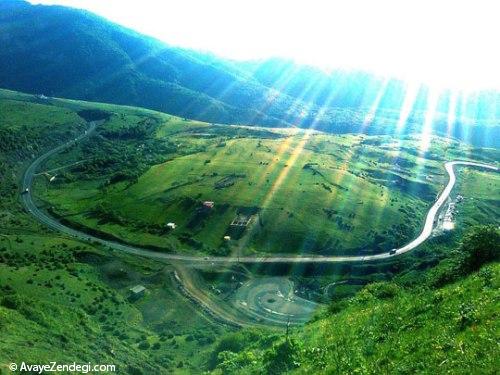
[441, 41]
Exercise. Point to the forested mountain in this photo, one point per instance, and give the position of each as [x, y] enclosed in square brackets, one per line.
[71, 53]
[65, 52]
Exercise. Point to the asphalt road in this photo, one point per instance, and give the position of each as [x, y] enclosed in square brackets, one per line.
[51, 222]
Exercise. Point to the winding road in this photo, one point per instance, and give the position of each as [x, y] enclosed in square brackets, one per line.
[52, 222]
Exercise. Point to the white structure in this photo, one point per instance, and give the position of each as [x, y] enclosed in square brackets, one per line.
[136, 292]
[227, 238]
[171, 225]
[138, 289]
[209, 204]
[448, 217]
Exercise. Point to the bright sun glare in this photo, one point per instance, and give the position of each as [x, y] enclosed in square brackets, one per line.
[442, 43]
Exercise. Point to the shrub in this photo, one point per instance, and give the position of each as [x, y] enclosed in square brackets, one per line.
[134, 370]
[337, 306]
[379, 290]
[233, 342]
[144, 345]
[12, 302]
[481, 245]
[448, 271]
[467, 315]
[283, 357]
[486, 275]
[230, 362]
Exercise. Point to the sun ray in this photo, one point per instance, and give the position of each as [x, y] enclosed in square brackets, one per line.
[426, 129]
[410, 97]
[370, 115]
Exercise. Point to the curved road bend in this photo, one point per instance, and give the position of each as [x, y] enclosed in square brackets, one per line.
[51, 222]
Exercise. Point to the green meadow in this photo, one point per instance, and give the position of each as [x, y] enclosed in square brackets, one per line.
[303, 192]
[298, 192]
[63, 300]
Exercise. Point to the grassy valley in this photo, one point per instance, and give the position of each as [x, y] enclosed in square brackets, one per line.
[305, 192]
[165, 210]
[145, 170]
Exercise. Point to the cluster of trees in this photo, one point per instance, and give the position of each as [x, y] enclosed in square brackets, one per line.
[122, 154]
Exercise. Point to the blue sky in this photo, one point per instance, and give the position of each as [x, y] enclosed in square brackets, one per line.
[444, 43]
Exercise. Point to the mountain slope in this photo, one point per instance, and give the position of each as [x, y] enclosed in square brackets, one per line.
[72, 53]
[443, 321]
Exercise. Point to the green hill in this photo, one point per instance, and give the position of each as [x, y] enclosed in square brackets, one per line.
[445, 324]
[64, 300]
[65, 52]
[293, 191]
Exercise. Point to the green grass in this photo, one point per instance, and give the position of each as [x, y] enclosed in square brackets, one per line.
[385, 329]
[18, 116]
[309, 192]
[72, 305]
[481, 204]
[62, 300]
[68, 301]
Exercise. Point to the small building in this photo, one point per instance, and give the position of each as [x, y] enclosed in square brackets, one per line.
[171, 225]
[208, 204]
[227, 238]
[137, 292]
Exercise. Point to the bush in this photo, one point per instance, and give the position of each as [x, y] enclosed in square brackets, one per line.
[12, 302]
[481, 245]
[467, 315]
[448, 271]
[144, 345]
[230, 362]
[232, 342]
[379, 290]
[337, 306]
[283, 357]
[134, 370]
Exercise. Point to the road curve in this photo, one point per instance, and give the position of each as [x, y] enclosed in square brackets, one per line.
[51, 222]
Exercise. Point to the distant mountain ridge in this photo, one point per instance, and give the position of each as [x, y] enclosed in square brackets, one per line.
[71, 53]
[75, 54]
